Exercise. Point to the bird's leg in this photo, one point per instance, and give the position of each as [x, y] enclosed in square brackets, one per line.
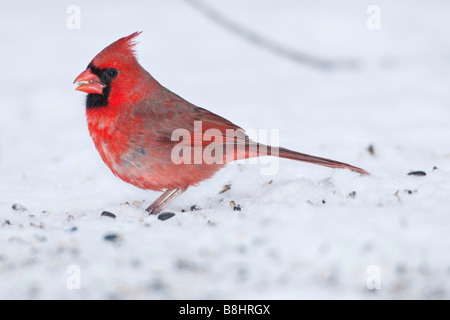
[160, 203]
[161, 198]
[168, 200]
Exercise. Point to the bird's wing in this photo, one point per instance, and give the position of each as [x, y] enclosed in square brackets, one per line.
[169, 113]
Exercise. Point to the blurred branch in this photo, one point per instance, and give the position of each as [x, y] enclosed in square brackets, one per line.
[270, 45]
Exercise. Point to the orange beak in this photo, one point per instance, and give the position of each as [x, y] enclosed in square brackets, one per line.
[89, 82]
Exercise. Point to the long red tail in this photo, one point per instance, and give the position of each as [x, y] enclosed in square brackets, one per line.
[289, 154]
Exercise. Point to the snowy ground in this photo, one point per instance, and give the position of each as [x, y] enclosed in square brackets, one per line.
[285, 243]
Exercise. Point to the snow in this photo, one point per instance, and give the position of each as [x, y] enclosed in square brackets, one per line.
[299, 233]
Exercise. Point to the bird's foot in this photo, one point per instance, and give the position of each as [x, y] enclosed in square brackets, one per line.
[153, 209]
[162, 202]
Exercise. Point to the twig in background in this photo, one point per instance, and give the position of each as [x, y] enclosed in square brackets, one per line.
[268, 44]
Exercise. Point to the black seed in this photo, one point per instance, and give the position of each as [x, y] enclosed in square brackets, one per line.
[237, 208]
[417, 173]
[323, 201]
[19, 207]
[73, 229]
[108, 214]
[7, 223]
[111, 237]
[195, 208]
[165, 215]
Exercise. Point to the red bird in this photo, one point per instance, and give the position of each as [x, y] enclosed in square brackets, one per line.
[132, 120]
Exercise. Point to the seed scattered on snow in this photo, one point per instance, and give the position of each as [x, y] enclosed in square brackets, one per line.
[6, 223]
[184, 264]
[113, 237]
[165, 215]
[352, 195]
[195, 208]
[435, 168]
[397, 196]
[371, 149]
[137, 203]
[318, 204]
[225, 188]
[108, 214]
[417, 173]
[18, 207]
[40, 226]
[236, 207]
[269, 182]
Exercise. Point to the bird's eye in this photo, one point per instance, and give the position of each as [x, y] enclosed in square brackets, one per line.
[112, 73]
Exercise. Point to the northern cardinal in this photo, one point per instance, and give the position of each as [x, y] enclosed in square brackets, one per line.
[132, 119]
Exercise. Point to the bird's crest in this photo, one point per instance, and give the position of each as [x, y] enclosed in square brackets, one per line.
[119, 51]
